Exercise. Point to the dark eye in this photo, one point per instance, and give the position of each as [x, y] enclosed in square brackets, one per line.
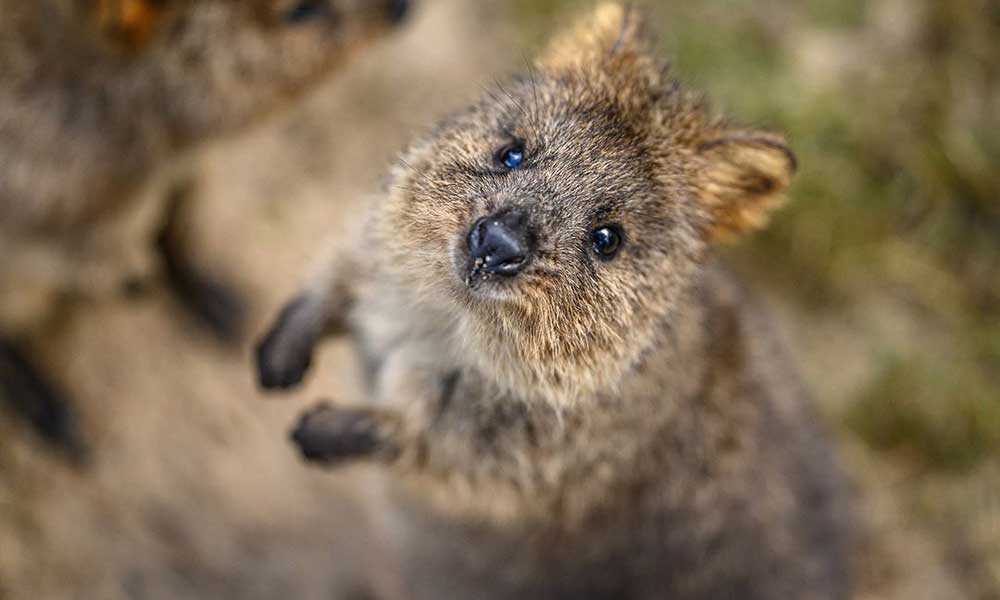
[511, 156]
[606, 240]
[304, 10]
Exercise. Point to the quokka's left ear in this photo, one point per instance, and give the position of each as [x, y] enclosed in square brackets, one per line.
[612, 40]
[131, 23]
[743, 177]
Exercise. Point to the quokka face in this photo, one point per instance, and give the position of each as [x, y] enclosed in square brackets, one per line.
[112, 89]
[550, 224]
[296, 29]
[563, 216]
[287, 40]
[269, 48]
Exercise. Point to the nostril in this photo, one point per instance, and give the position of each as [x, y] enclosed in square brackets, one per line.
[499, 243]
[477, 236]
[516, 219]
[398, 9]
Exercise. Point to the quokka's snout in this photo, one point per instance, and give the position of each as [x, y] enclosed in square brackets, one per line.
[500, 244]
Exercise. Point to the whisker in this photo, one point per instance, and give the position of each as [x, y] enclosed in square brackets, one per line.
[519, 106]
[403, 162]
[534, 85]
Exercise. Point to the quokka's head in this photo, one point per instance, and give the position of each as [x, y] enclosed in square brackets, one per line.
[232, 58]
[564, 216]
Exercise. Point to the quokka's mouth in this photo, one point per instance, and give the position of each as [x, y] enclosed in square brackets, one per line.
[482, 283]
[478, 270]
[475, 272]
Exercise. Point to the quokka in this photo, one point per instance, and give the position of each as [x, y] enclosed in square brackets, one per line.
[574, 398]
[96, 95]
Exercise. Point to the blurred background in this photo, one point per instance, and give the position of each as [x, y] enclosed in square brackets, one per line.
[884, 274]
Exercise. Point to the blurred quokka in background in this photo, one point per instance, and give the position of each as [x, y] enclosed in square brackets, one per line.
[96, 95]
[575, 398]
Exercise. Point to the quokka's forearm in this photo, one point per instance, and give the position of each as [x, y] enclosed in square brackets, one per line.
[419, 450]
[284, 354]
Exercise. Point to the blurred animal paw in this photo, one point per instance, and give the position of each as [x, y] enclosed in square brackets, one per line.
[285, 353]
[213, 304]
[329, 435]
[35, 399]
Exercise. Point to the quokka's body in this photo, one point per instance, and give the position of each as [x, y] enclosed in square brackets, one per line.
[97, 93]
[96, 96]
[575, 399]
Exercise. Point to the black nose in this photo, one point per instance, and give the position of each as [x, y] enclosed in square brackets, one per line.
[398, 10]
[499, 243]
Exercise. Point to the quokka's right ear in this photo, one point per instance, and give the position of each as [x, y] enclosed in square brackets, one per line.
[612, 41]
[743, 178]
[131, 23]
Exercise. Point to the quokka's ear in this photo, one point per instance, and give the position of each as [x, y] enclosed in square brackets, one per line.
[613, 38]
[131, 23]
[744, 177]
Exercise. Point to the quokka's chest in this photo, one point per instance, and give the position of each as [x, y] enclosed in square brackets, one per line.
[388, 325]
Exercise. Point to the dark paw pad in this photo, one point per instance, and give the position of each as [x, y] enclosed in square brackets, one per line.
[329, 435]
[285, 353]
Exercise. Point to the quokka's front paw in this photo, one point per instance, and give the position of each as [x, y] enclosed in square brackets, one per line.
[215, 304]
[285, 353]
[329, 435]
[44, 408]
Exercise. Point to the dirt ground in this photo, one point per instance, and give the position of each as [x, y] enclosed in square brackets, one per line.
[193, 490]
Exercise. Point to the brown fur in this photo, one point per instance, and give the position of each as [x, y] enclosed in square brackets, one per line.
[96, 95]
[623, 428]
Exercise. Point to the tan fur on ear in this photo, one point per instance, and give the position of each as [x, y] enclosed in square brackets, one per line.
[744, 178]
[611, 30]
[130, 22]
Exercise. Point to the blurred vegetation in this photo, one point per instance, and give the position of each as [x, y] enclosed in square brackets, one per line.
[889, 254]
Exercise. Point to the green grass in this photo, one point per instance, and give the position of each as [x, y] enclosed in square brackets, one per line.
[939, 415]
